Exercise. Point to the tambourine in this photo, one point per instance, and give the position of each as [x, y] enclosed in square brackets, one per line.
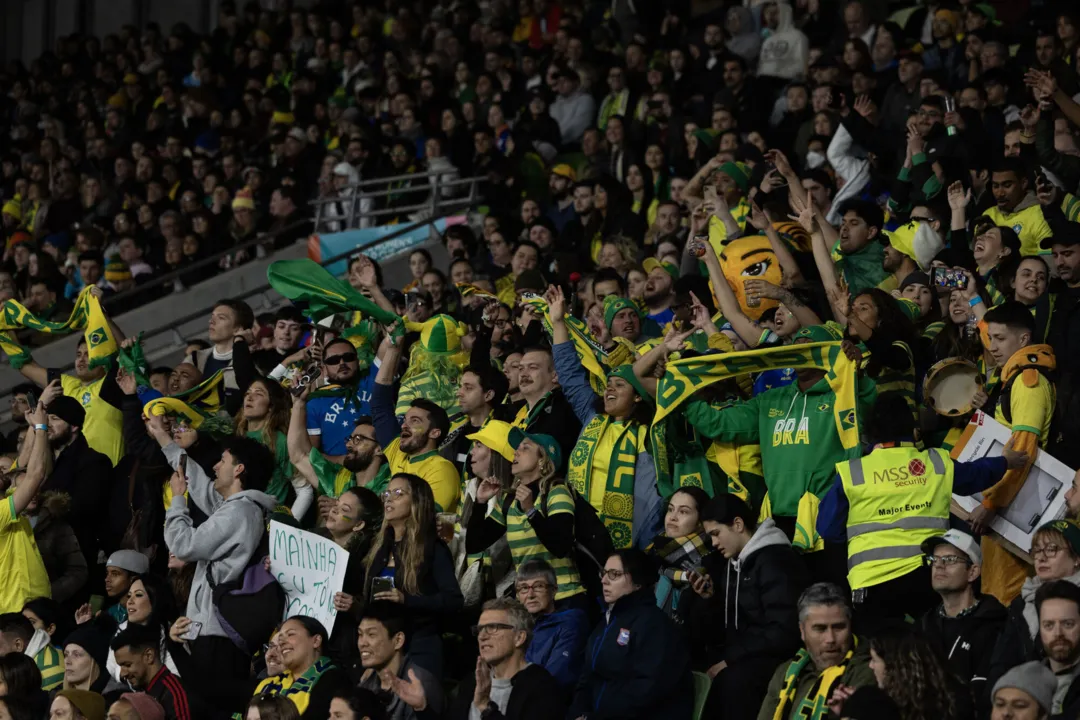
[950, 385]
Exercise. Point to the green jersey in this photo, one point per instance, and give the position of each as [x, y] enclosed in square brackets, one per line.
[334, 479]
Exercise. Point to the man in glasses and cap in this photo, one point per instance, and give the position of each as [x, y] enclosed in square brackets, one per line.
[332, 411]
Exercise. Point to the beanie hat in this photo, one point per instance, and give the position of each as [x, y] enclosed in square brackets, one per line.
[829, 332]
[1035, 679]
[116, 270]
[130, 560]
[93, 640]
[146, 707]
[738, 172]
[950, 16]
[916, 278]
[613, 305]
[89, 704]
[67, 409]
[442, 335]
[530, 280]
[14, 209]
[244, 200]
[18, 238]
[1069, 529]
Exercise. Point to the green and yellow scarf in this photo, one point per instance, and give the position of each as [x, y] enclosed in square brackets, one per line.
[588, 349]
[298, 690]
[814, 705]
[87, 315]
[618, 510]
[685, 377]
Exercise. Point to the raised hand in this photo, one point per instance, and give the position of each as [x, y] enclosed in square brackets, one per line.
[410, 691]
[958, 197]
[556, 303]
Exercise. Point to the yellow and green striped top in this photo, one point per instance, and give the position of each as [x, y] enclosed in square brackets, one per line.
[525, 545]
[50, 662]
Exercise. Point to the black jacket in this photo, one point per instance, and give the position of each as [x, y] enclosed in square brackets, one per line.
[967, 642]
[636, 666]
[85, 475]
[760, 597]
[535, 696]
[1015, 645]
[1064, 337]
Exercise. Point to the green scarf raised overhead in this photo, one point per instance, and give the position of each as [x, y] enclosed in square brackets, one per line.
[87, 315]
[685, 377]
[308, 282]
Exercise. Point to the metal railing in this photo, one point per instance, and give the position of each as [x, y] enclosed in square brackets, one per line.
[353, 204]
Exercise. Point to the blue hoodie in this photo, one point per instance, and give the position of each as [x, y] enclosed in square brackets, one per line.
[558, 645]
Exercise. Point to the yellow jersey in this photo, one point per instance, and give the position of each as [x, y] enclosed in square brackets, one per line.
[439, 473]
[104, 426]
[21, 565]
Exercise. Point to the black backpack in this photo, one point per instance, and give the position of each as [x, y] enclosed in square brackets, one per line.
[251, 606]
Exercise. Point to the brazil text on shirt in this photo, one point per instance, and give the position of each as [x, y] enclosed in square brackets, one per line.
[335, 417]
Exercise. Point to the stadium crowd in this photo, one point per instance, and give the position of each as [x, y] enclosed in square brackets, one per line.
[675, 430]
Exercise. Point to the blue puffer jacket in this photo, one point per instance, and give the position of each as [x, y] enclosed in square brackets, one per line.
[636, 666]
[558, 645]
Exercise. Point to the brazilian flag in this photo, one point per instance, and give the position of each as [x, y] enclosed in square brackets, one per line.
[87, 316]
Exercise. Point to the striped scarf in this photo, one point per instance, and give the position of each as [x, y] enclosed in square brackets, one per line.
[813, 706]
[618, 508]
[679, 556]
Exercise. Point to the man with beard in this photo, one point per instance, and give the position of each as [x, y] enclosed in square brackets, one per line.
[660, 290]
[413, 447]
[78, 470]
[1058, 605]
[1017, 206]
[560, 181]
[332, 414]
[363, 465]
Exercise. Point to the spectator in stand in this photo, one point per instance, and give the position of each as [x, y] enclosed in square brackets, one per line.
[965, 626]
[637, 665]
[558, 636]
[19, 637]
[138, 656]
[1058, 607]
[1024, 693]
[387, 670]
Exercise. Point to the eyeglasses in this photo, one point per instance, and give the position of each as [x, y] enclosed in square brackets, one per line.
[1047, 551]
[529, 589]
[357, 439]
[338, 359]
[490, 629]
[922, 218]
[269, 648]
[395, 493]
[612, 575]
[946, 560]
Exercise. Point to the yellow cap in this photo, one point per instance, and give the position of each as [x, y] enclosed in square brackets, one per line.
[565, 171]
[495, 435]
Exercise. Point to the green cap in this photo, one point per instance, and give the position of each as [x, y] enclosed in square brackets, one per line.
[626, 372]
[548, 444]
[613, 305]
[651, 263]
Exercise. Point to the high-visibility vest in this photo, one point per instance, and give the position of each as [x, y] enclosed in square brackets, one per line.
[898, 497]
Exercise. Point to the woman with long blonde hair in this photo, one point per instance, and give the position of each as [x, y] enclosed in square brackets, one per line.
[265, 417]
[409, 564]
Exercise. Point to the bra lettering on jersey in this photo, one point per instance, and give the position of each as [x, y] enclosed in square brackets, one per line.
[784, 433]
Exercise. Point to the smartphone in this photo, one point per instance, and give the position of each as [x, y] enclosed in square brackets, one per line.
[948, 278]
[31, 399]
[381, 584]
[193, 631]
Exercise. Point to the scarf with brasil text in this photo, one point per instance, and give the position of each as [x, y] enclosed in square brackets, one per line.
[685, 377]
[813, 706]
[87, 315]
[629, 442]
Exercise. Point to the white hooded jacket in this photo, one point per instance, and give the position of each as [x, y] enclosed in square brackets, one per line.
[786, 52]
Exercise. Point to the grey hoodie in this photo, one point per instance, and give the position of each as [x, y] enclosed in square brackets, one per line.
[766, 534]
[227, 540]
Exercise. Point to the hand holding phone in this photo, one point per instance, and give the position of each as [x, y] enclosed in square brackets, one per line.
[948, 278]
[381, 584]
[193, 631]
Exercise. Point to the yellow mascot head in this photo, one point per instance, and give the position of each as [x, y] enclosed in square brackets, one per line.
[750, 258]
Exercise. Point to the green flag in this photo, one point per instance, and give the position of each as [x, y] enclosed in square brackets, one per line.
[308, 282]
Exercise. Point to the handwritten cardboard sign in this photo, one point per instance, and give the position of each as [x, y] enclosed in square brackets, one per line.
[310, 569]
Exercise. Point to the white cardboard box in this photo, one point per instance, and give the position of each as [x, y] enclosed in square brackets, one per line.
[1040, 500]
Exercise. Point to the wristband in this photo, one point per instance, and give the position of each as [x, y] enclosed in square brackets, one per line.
[974, 301]
[42, 427]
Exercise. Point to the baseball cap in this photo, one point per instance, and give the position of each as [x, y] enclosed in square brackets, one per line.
[652, 263]
[1069, 529]
[959, 540]
[548, 444]
[495, 434]
[564, 170]
[298, 134]
[130, 560]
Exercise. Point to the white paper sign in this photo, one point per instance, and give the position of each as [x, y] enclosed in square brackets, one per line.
[310, 568]
[1040, 500]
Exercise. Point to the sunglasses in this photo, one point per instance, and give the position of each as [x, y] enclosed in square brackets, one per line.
[338, 359]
